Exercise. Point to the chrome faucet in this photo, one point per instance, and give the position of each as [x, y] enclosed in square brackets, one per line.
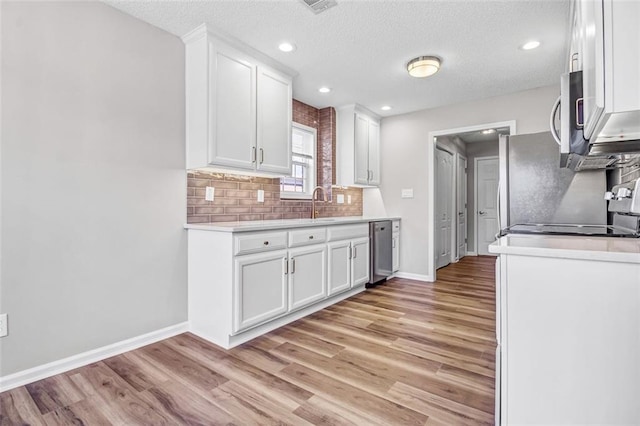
[314, 212]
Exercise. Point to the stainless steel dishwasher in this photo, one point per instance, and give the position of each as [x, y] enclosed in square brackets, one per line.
[380, 247]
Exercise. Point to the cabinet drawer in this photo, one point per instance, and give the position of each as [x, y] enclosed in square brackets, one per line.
[263, 241]
[345, 232]
[303, 237]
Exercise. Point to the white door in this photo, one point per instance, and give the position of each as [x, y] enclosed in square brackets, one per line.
[359, 261]
[307, 275]
[461, 189]
[444, 199]
[374, 153]
[361, 154]
[233, 108]
[274, 122]
[260, 288]
[487, 173]
[339, 267]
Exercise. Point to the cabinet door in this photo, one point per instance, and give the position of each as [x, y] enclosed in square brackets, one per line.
[374, 153]
[395, 252]
[361, 147]
[260, 288]
[307, 275]
[232, 111]
[339, 267]
[360, 261]
[274, 121]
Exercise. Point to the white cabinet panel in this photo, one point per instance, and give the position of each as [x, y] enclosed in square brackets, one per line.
[307, 275]
[274, 121]
[339, 266]
[360, 261]
[260, 288]
[255, 242]
[361, 138]
[395, 252]
[233, 107]
[374, 153]
[357, 147]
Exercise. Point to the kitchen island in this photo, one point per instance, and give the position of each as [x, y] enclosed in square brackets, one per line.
[568, 329]
[248, 278]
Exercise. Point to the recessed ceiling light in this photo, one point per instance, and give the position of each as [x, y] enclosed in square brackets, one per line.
[287, 47]
[324, 90]
[423, 66]
[488, 131]
[385, 108]
[530, 45]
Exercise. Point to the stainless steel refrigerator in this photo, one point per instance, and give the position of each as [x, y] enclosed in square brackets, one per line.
[535, 190]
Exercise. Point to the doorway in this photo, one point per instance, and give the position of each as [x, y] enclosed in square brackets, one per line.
[452, 218]
[487, 174]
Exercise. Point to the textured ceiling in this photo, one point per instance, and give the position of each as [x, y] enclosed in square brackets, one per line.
[360, 48]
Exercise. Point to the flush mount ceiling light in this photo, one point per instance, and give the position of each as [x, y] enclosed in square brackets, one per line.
[530, 45]
[385, 108]
[423, 66]
[287, 47]
[488, 131]
[324, 89]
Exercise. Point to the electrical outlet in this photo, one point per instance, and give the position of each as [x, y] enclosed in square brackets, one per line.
[340, 198]
[260, 196]
[210, 193]
[4, 326]
[407, 193]
[348, 199]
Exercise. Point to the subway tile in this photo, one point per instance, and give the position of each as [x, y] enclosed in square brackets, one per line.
[191, 192]
[259, 209]
[223, 218]
[209, 210]
[250, 186]
[282, 209]
[237, 210]
[193, 201]
[237, 194]
[222, 201]
[199, 183]
[244, 217]
[220, 184]
[272, 216]
[197, 219]
[291, 216]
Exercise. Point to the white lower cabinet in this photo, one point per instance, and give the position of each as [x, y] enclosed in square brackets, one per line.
[260, 288]
[307, 275]
[348, 264]
[359, 261]
[339, 266]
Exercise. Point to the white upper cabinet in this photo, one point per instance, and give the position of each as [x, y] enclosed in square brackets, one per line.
[357, 147]
[606, 36]
[238, 109]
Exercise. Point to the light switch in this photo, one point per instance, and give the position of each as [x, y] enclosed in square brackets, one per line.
[348, 199]
[209, 194]
[407, 193]
[260, 196]
[340, 199]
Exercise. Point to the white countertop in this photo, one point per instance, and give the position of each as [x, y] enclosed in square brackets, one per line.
[608, 249]
[264, 225]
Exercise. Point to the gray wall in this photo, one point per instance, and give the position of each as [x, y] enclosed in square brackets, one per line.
[93, 180]
[404, 156]
[475, 150]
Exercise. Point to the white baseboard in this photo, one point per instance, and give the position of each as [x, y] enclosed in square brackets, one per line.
[472, 253]
[60, 366]
[417, 277]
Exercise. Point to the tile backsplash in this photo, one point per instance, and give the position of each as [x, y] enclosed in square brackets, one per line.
[236, 199]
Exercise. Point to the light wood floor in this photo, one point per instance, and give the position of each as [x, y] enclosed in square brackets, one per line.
[402, 353]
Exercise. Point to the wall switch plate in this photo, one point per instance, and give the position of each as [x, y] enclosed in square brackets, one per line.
[407, 193]
[260, 196]
[210, 193]
[340, 199]
[348, 199]
[4, 327]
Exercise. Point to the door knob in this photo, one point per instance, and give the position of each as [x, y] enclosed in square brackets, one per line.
[481, 213]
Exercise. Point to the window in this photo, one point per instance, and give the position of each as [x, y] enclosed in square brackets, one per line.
[303, 164]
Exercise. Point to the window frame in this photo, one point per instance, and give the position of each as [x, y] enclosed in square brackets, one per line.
[285, 195]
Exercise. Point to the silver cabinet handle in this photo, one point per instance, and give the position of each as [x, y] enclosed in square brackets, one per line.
[261, 155]
[286, 265]
[482, 213]
[253, 154]
[266, 243]
[355, 252]
[393, 243]
[350, 252]
[293, 265]
[311, 237]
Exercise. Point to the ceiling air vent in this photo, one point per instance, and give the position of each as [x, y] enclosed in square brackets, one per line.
[318, 6]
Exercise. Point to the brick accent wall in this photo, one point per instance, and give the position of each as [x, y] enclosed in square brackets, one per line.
[236, 200]
[236, 195]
